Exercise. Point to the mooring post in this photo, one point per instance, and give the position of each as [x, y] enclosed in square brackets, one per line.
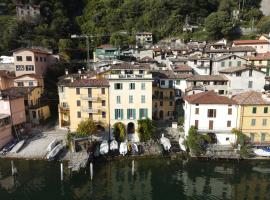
[91, 170]
[133, 168]
[62, 171]
[12, 168]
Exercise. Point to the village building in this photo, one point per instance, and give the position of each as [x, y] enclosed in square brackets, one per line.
[261, 46]
[27, 12]
[106, 52]
[201, 65]
[261, 61]
[5, 129]
[144, 39]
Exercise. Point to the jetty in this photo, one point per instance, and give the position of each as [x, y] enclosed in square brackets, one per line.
[78, 160]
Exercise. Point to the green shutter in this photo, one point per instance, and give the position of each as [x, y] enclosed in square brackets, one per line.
[115, 113]
[146, 113]
[122, 113]
[128, 113]
[140, 113]
[134, 113]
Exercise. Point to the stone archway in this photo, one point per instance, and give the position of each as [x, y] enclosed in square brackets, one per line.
[131, 128]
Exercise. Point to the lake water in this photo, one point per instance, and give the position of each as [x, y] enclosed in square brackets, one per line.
[162, 179]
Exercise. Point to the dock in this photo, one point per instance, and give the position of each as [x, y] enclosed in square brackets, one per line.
[78, 160]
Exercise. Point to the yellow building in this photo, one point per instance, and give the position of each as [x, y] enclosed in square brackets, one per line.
[254, 116]
[261, 61]
[81, 99]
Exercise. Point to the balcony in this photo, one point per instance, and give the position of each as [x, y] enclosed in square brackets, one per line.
[90, 98]
[90, 110]
[129, 76]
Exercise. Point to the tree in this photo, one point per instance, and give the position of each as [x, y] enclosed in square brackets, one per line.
[146, 129]
[196, 142]
[218, 25]
[119, 131]
[86, 128]
[245, 149]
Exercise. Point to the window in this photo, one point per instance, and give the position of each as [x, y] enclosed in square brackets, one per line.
[229, 123]
[250, 84]
[89, 92]
[161, 103]
[265, 110]
[118, 86]
[142, 86]
[103, 114]
[79, 115]
[230, 63]
[118, 99]
[222, 64]
[132, 86]
[252, 136]
[178, 82]
[90, 104]
[229, 111]
[211, 113]
[31, 83]
[20, 84]
[211, 124]
[19, 68]
[40, 59]
[130, 99]
[45, 59]
[264, 122]
[263, 137]
[171, 103]
[34, 114]
[253, 122]
[238, 63]
[90, 115]
[238, 74]
[143, 113]
[141, 71]
[28, 58]
[118, 113]
[260, 62]
[143, 99]
[36, 59]
[131, 113]
[77, 90]
[250, 72]
[196, 124]
[29, 67]
[254, 110]
[78, 103]
[197, 111]
[19, 58]
[102, 90]
[162, 82]
[103, 103]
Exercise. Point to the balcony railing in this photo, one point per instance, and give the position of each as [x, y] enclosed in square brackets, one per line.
[89, 97]
[90, 110]
[130, 76]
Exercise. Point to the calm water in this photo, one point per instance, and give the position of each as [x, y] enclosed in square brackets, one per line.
[152, 179]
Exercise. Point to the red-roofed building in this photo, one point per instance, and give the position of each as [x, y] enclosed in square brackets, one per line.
[261, 46]
[211, 114]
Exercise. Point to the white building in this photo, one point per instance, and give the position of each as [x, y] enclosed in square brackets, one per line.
[261, 46]
[227, 61]
[243, 79]
[130, 96]
[199, 64]
[211, 114]
[144, 39]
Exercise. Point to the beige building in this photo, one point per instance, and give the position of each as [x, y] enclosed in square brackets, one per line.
[6, 80]
[32, 61]
[27, 12]
[81, 99]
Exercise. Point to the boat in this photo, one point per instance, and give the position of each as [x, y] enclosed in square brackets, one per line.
[123, 148]
[53, 153]
[52, 145]
[104, 148]
[261, 152]
[18, 147]
[113, 145]
[165, 143]
[134, 148]
[8, 147]
[181, 144]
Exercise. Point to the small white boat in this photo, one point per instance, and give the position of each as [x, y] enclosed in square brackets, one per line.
[104, 148]
[113, 145]
[52, 145]
[181, 144]
[123, 148]
[261, 152]
[18, 147]
[134, 148]
[56, 150]
[165, 143]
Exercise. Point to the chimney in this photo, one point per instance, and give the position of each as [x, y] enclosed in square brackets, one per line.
[66, 71]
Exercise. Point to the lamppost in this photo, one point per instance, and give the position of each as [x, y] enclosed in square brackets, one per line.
[86, 37]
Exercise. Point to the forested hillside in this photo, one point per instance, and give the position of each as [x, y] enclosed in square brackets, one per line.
[61, 18]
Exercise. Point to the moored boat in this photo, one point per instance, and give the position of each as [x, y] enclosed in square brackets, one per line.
[18, 147]
[113, 145]
[123, 148]
[53, 153]
[165, 143]
[104, 148]
[52, 145]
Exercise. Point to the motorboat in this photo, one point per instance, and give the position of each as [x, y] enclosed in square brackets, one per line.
[165, 143]
[8, 147]
[104, 148]
[56, 150]
[134, 148]
[123, 148]
[262, 152]
[181, 144]
[52, 145]
[18, 147]
[113, 145]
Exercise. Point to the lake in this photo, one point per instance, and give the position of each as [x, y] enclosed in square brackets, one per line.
[149, 179]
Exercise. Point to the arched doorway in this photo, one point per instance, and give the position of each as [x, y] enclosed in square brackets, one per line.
[100, 128]
[131, 128]
[161, 115]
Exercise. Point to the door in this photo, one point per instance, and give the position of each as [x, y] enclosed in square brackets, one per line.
[211, 125]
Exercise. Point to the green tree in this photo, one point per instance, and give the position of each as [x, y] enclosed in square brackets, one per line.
[86, 128]
[146, 129]
[245, 149]
[119, 131]
[218, 25]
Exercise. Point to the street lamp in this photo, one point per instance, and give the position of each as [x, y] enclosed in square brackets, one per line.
[86, 37]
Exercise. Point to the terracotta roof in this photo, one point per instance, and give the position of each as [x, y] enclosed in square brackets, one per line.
[16, 92]
[182, 68]
[250, 98]
[243, 42]
[35, 50]
[262, 56]
[208, 78]
[233, 69]
[228, 56]
[148, 59]
[232, 49]
[30, 75]
[130, 66]
[209, 97]
[89, 83]
[197, 57]
[163, 74]
[6, 74]
[183, 76]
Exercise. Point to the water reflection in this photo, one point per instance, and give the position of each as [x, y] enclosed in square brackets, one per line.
[146, 179]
